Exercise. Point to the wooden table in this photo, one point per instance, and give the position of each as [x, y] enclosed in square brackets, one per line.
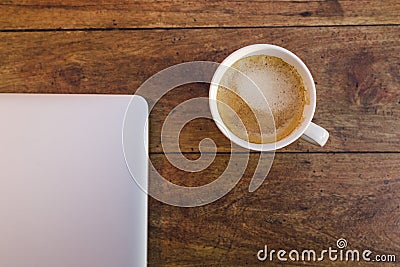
[313, 196]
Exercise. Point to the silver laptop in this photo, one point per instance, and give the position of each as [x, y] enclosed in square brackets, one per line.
[67, 197]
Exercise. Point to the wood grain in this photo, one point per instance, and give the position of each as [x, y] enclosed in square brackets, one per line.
[308, 201]
[56, 14]
[356, 70]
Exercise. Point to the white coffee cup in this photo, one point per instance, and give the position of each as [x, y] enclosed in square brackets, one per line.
[306, 130]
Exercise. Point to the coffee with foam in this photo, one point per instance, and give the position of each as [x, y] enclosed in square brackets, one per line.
[261, 99]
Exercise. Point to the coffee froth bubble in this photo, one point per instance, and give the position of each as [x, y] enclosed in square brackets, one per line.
[265, 94]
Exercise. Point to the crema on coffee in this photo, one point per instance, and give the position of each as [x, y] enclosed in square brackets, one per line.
[261, 99]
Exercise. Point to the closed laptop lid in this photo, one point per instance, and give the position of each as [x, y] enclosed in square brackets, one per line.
[67, 197]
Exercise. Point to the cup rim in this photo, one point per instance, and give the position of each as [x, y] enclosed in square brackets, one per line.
[228, 62]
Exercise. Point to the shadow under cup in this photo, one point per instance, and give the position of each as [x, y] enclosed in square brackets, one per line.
[265, 119]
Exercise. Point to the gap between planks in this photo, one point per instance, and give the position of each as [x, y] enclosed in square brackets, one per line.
[276, 152]
[196, 28]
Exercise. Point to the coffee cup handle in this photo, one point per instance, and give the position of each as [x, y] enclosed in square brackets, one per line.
[316, 135]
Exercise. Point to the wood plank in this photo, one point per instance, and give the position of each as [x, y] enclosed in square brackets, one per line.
[356, 70]
[55, 14]
[308, 201]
